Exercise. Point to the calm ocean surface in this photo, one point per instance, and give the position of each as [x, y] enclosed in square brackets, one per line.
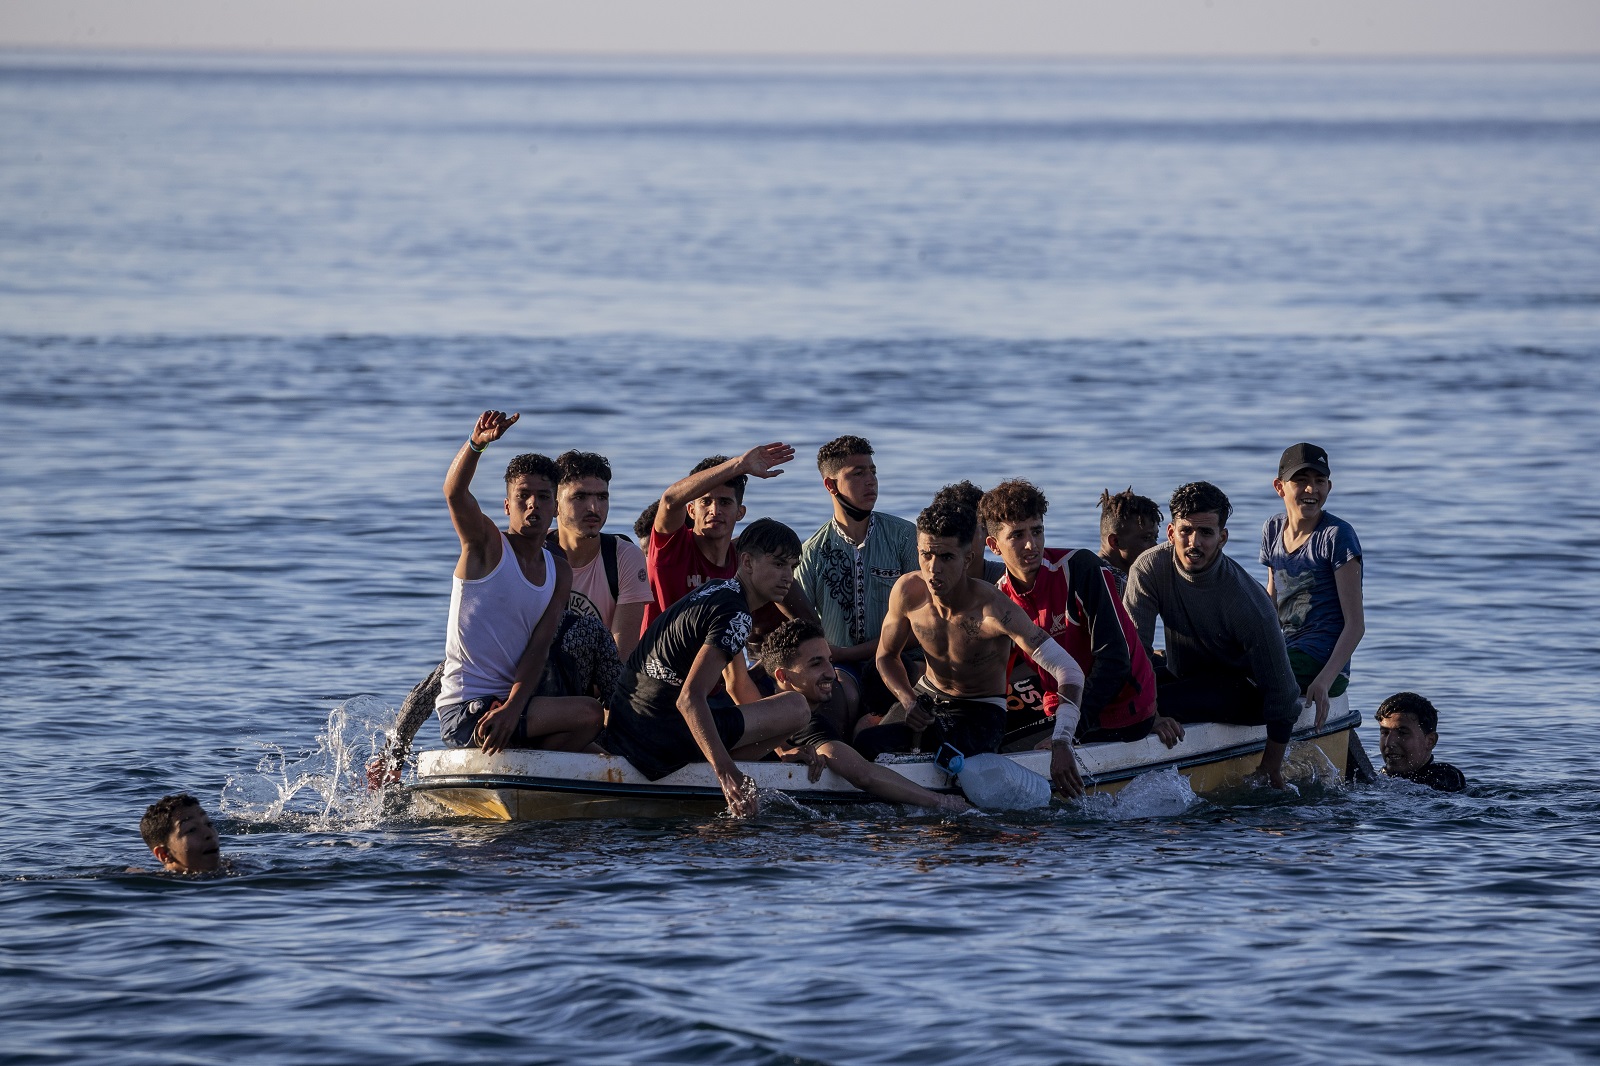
[250, 307]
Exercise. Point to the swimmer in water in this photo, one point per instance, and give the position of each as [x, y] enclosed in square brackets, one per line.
[180, 835]
[1408, 728]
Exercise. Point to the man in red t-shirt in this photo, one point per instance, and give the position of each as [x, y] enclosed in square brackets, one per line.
[1072, 595]
[691, 541]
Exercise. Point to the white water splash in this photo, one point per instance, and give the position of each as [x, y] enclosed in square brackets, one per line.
[1157, 794]
[324, 787]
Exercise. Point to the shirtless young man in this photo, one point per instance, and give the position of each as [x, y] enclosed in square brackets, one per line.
[797, 656]
[506, 602]
[966, 629]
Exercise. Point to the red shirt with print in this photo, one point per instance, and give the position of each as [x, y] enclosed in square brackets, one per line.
[677, 568]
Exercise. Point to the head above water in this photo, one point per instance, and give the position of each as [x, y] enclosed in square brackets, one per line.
[1407, 732]
[179, 833]
[849, 474]
[797, 657]
[1128, 525]
[1199, 526]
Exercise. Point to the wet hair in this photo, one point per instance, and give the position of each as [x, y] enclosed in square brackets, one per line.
[781, 649]
[532, 464]
[1119, 511]
[961, 493]
[945, 519]
[831, 456]
[161, 817]
[646, 521]
[735, 483]
[574, 466]
[1409, 703]
[1011, 501]
[1198, 497]
[768, 536]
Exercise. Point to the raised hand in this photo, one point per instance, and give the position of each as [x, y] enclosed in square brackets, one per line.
[492, 425]
[763, 461]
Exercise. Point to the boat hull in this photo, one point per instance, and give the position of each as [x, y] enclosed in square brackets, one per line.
[546, 785]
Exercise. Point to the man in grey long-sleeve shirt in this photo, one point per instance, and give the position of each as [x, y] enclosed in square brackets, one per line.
[1225, 659]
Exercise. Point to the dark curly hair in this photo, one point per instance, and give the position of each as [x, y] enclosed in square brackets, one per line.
[532, 464]
[945, 519]
[1119, 511]
[577, 465]
[161, 817]
[781, 649]
[1011, 501]
[646, 521]
[831, 456]
[961, 493]
[1409, 703]
[1198, 497]
[768, 536]
[736, 483]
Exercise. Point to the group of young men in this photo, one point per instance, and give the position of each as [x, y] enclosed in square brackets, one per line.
[877, 634]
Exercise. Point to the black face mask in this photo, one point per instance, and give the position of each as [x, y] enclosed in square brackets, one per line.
[854, 513]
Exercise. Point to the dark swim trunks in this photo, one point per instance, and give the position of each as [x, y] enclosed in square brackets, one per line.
[458, 721]
[658, 745]
[971, 726]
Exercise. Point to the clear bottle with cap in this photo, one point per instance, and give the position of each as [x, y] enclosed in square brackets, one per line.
[993, 781]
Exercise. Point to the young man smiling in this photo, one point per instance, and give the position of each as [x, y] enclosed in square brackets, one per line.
[1225, 657]
[664, 714]
[1408, 729]
[1314, 567]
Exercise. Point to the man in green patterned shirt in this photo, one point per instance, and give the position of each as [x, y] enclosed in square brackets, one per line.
[849, 566]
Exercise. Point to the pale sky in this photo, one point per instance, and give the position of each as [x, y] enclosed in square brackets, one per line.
[820, 27]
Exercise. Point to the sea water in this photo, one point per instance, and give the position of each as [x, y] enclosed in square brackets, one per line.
[250, 308]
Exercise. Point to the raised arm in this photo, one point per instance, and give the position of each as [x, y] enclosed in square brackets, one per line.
[496, 727]
[762, 461]
[696, 711]
[480, 539]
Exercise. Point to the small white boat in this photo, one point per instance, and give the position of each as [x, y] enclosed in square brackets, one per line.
[525, 785]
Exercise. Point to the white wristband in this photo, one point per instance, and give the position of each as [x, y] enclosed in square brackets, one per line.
[1067, 715]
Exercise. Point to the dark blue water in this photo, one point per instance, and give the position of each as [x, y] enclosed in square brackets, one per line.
[249, 308]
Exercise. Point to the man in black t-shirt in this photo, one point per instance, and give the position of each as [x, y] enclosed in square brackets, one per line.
[1408, 728]
[663, 714]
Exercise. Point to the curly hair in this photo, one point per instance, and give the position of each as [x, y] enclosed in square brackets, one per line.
[946, 519]
[831, 456]
[646, 521]
[532, 464]
[961, 493]
[781, 649]
[161, 817]
[737, 484]
[1426, 714]
[768, 536]
[575, 466]
[1011, 501]
[1199, 497]
[1119, 511]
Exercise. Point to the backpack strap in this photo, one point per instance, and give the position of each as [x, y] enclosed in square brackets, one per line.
[608, 556]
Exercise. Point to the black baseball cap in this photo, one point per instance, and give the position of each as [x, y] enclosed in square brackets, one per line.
[1296, 457]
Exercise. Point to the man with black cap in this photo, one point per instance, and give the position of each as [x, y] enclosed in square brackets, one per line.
[1313, 562]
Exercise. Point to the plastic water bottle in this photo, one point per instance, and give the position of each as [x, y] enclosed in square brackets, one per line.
[995, 782]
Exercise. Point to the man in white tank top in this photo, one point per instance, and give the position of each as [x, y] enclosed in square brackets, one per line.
[506, 601]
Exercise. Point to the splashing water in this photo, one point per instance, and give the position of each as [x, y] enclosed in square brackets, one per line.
[1158, 794]
[322, 788]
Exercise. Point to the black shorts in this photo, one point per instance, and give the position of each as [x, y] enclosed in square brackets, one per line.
[819, 730]
[660, 744]
[970, 726]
